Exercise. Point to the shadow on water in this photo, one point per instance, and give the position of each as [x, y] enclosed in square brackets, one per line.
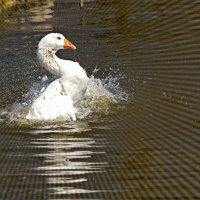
[145, 146]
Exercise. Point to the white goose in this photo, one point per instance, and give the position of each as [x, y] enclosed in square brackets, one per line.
[61, 96]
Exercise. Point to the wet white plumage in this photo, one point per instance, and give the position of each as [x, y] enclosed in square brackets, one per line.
[61, 96]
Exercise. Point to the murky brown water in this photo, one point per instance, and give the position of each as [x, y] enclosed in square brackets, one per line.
[146, 147]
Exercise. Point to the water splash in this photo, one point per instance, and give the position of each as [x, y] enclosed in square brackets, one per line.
[102, 97]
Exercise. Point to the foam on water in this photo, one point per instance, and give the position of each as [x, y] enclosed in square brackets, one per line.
[102, 97]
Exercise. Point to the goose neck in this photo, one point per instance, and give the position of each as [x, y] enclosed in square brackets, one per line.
[47, 58]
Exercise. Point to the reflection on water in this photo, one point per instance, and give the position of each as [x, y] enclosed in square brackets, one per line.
[67, 162]
[39, 15]
[146, 147]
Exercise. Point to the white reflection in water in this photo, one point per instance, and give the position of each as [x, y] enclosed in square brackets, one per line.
[66, 161]
[71, 190]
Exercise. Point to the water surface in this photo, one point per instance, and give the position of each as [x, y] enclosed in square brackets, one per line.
[145, 146]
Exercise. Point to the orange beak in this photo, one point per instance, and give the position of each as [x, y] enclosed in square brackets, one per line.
[68, 45]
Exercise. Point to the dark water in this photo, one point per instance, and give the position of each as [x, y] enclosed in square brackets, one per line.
[146, 149]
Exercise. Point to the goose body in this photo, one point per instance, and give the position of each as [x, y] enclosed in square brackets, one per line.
[61, 96]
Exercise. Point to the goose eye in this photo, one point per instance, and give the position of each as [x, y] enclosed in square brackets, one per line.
[59, 38]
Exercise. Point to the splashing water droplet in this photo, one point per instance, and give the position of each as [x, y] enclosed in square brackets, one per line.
[101, 97]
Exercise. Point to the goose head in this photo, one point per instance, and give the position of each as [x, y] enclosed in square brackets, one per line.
[55, 41]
